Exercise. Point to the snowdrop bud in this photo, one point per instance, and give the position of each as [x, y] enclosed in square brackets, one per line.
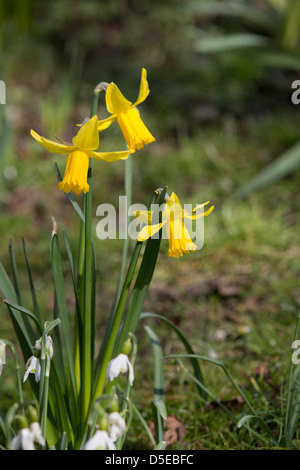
[32, 414]
[113, 404]
[20, 422]
[103, 423]
[126, 347]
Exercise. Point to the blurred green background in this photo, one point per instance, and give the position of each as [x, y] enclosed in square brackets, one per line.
[220, 77]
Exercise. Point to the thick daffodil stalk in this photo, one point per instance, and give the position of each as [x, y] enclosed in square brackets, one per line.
[134, 130]
[173, 217]
[82, 148]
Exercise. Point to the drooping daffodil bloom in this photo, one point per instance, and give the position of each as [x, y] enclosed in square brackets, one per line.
[125, 112]
[118, 365]
[33, 365]
[117, 425]
[79, 152]
[172, 218]
[100, 441]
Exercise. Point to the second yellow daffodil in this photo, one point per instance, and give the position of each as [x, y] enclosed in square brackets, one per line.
[173, 217]
[125, 112]
[79, 152]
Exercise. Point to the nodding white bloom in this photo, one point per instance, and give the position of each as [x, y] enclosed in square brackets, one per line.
[100, 441]
[36, 431]
[26, 438]
[118, 365]
[2, 355]
[117, 425]
[49, 345]
[33, 365]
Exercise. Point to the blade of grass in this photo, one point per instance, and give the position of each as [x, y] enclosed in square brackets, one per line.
[283, 165]
[188, 347]
[24, 332]
[14, 271]
[158, 405]
[26, 312]
[32, 289]
[142, 421]
[63, 312]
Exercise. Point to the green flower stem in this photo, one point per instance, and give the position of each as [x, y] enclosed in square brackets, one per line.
[128, 194]
[17, 368]
[86, 365]
[79, 320]
[44, 402]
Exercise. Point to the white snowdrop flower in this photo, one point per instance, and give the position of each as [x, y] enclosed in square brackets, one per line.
[2, 355]
[33, 366]
[36, 431]
[26, 438]
[117, 425]
[120, 364]
[23, 440]
[49, 345]
[100, 441]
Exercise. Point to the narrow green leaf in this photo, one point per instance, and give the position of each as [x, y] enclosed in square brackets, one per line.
[62, 443]
[229, 42]
[32, 289]
[263, 424]
[233, 9]
[62, 307]
[158, 373]
[160, 446]
[283, 165]
[142, 421]
[14, 271]
[188, 347]
[24, 332]
[26, 312]
[111, 343]
[142, 282]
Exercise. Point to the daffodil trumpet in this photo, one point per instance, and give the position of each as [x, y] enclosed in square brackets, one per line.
[172, 218]
[127, 115]
[83, 147]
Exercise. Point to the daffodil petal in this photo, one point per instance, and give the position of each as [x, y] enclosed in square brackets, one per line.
[143, 216]
[144, 88]
[105, 123]
[200, 205]
[116, 103]
[54, 147]
[134, 130]
[75, 177]
[110, 156]
[149, 230]
[198, 216]
[87, 137]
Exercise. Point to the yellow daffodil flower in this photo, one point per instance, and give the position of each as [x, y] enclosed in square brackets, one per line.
[82, 148]
[134, 130]
[173, 219]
